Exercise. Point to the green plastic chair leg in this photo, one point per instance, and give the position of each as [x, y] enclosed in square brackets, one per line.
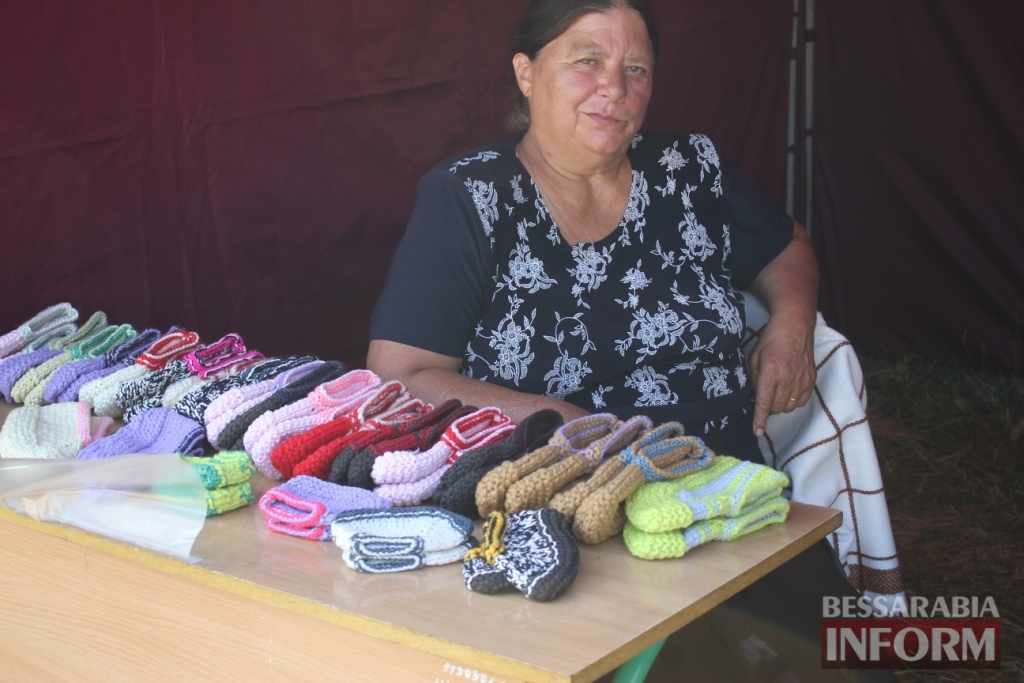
[635, 670]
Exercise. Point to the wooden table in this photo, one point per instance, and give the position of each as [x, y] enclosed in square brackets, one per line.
[261, 606]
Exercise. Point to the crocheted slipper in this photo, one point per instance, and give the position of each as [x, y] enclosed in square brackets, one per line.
[301, 452]
[476, 430]
[233, 435]
[305, 506]
[138, 396]
[313, 451]
[721, 490]
[13, 367]
[54, 431]
[34, 376]
[670, 544]
[354, 463]
[568, 500]
[536, 489]
[456, 491]
[96, 322]
[95, 356]
[226, 407]
[602, 514]
[534, 551]
[157, 430]
[484, 427]
[225, 468]
[52, 319]
[571, 437]
[397, 539]
[194, 404]
[323, 402]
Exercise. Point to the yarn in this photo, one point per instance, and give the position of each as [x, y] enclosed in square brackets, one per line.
[157, 430]
[539, 558]
[50, 320]
[571, 437]
[305, 506]
[399, 539]
[676, 543]
[536, 489]
[661, 455]
[456, 490]
[53, 431]
[723, 489]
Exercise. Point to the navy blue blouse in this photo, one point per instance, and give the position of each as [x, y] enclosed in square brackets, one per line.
[648, 320]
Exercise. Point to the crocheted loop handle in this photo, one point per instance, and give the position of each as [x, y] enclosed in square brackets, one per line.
[96, 323]
[476, 430]
[171, 346]
[202, 361]
[47, 320]
[126, 353]
[344, 393]
[101, 342]
[232, 366]
[578, 434]
[692, 455]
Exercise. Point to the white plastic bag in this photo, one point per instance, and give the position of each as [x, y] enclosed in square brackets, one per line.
[154, 501]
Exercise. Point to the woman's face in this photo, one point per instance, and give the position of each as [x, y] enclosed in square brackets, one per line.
[590, 86]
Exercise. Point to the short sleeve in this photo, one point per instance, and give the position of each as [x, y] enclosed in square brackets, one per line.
[758, 230]
[434, 292]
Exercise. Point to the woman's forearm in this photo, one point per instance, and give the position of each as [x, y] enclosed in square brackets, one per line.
[434, 378]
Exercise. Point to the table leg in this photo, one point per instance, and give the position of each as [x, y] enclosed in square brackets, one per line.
[635, 670]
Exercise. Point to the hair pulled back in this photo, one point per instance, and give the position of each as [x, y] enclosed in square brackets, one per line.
[546, 20]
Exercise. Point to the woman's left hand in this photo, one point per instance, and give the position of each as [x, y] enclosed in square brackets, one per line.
[782, 368]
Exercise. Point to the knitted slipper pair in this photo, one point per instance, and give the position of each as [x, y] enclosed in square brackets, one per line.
[724, 489]
[536, 489]
[400, 539]
[54, 431]
[353, 464]
[305, 506]
[84, 351]
[36, 376]
[456, 491]
[572, 437]
[532, 551]
[312, 451]
[596, 506]
[324, 400]
[646, 545]
[225, 477]
[103, 394]
[224, 410]
[157, 430]
[193, 404]
[64, 384]
[410, 477]
[57, 319]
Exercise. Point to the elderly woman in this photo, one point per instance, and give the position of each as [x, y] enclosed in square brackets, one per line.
[583, 265]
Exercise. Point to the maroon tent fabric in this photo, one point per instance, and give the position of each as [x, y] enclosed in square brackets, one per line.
[249, 166]
[919, 176]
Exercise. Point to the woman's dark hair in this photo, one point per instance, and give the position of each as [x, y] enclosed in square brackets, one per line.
[545, 20]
